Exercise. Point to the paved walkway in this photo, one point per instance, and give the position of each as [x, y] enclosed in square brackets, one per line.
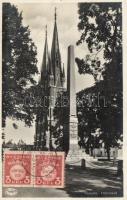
[99, 179]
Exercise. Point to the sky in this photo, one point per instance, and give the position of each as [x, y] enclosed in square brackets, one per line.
[37, 16]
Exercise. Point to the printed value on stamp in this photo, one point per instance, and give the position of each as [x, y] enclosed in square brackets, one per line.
[49, 169]
[17, 169]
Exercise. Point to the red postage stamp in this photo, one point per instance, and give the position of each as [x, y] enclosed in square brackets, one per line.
[38, 169]
[17, 169]
[49, 170]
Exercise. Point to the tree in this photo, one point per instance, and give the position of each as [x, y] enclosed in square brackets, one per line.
[19, 65]
[97, 112]
[61, 116]
[101, 28]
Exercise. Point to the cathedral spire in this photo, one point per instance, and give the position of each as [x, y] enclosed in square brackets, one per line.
[55, 52]
[46, 61]
[50, 69]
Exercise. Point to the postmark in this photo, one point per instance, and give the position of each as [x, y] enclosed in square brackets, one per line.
[49, 169]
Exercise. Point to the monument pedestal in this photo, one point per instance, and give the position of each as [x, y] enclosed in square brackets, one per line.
[75, 153]
[75, 156]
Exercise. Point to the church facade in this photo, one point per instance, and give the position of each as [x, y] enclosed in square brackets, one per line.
[52, 81]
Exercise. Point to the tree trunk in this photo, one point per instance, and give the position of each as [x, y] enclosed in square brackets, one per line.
[108, 152]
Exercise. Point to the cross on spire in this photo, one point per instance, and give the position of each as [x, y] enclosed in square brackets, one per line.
[55, 13]
[46, 31]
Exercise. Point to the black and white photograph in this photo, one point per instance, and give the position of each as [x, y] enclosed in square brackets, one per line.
[62, 99]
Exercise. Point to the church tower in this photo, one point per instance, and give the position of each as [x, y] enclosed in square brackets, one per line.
[52, 81]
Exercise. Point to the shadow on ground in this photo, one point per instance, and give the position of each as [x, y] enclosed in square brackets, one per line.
[92, 182]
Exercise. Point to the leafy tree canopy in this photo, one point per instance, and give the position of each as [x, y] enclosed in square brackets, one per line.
[101, 28]
[100, 25]
[19, 65]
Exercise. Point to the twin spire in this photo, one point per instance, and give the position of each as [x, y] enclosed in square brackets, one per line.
[52, 65]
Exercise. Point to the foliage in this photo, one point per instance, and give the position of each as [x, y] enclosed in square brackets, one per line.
[61, 116]
[96, 110]
[19, 65]
[101, 28]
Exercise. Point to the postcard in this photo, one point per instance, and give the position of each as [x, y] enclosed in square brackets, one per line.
[63, 99]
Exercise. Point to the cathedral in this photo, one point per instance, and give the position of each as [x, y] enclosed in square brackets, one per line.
[52, 81]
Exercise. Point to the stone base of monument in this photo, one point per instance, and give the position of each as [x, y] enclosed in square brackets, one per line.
[75, 156]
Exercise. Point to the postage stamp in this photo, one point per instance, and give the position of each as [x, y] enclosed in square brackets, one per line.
[17, 169]
[33, 169]
[49, 170]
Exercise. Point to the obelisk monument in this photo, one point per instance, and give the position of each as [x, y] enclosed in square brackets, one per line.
[72, 119]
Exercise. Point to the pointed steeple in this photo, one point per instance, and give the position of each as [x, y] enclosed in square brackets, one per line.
[46, 61]
[50, 68]
[55, 52]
